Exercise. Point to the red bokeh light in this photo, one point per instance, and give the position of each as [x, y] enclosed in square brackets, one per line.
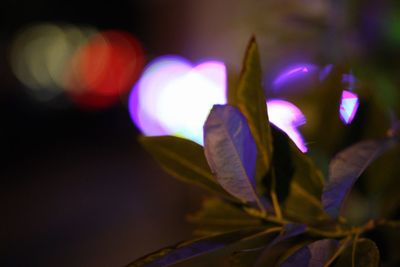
[104, 68]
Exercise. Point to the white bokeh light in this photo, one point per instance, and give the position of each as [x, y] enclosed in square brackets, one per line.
[174, 98]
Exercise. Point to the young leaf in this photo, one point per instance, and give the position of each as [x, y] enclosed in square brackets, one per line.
[217, 216]
[191, 249]
[345, 168]
[184, 160]
[249, 97]
[231, 152]
[366, 255]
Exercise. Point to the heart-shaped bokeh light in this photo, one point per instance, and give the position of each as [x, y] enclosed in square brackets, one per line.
[173, 97]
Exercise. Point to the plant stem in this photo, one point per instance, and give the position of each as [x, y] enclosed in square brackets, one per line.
[353, 250]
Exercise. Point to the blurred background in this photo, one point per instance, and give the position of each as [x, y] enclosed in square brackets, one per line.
[79, 82]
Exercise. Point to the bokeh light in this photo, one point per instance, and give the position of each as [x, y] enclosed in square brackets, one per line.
[93, 68]
[287, 117]
[325, 71]
[104, 68]
[348, 106]
[173, 97]
[295, 78]
[40, 56]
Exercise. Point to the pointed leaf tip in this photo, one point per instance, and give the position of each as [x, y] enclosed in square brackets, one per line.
[231, 152]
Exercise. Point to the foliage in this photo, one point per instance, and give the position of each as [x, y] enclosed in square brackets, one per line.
[274, 208]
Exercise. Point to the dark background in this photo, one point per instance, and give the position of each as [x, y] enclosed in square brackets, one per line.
[76, 189]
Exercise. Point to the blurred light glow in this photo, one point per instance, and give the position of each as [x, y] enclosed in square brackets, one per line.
[348, 106]
[287, 117]
[324, 73]
[294, 74]
[349, 79]
[40, 55]
[173, 97]
[104, 68]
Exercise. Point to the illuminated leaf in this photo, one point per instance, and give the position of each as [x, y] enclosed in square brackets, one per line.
[231, 152]
[345, 168]
[249, 97]
[184, 160]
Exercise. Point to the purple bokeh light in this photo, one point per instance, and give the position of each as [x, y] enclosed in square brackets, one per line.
[292, 75]
[174, 98]
[287, 117]
[348, 106]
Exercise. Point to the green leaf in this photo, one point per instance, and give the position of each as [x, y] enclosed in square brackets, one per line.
[190, 249]
[231, 152]
[210, 251]
[345, 169]
[217, 216]
[184, 160]
[366, 254]
[249, 97]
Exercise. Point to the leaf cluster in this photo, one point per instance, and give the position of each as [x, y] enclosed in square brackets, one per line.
[272, 205]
